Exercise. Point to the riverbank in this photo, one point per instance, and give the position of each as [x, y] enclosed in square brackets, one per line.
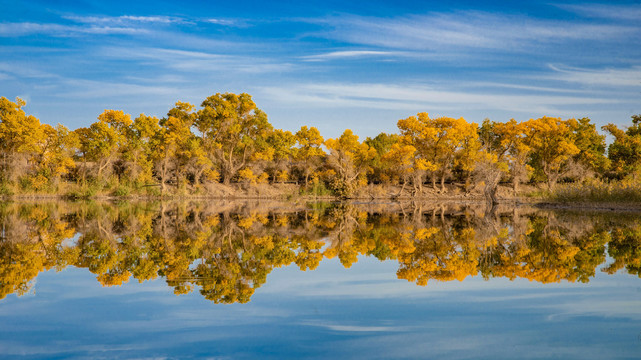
[588, 197]
[284, 191]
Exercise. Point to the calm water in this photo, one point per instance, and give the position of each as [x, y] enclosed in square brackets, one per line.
[224, 280]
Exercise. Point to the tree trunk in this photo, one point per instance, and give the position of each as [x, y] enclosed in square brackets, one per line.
[84, 171]
[100, 168]
[163, 186]
[5, 168]
[468, 183]
[490, 197]
[402, 188]
[490, 193]
[226, 173]
[163, 178]
[178, 177]
[552, 178]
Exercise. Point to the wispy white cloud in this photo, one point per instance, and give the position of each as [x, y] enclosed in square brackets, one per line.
[539, 89]
[605, 11]
[598, 307]
[28, 28]
[81, 88]
[156, 19]
[124, 19]
[225, 22]
[409, 97]
[357, 328]
[200, 61]
[239, 23]
[183, 54]
[626, 77]
[469, 29]
[172, 79]
[21, 71]
[96, 25]
[347, 54]
[11, 348]
[106, 30]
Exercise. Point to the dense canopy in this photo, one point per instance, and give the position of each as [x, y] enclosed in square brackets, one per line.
[229, 140]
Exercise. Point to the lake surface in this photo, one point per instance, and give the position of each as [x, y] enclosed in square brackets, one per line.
[270, 280]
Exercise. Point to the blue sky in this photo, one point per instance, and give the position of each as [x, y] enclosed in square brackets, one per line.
[334, 64]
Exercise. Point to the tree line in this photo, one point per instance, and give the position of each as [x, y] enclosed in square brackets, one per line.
[228, 254]
[228, 139]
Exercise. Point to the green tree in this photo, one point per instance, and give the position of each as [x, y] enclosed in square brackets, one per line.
[591, 159]
[382, 143]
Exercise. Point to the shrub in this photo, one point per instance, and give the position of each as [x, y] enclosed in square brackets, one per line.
[122, 190]
[5, 189]
[317, 188]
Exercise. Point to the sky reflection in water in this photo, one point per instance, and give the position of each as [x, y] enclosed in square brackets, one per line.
[363, 311]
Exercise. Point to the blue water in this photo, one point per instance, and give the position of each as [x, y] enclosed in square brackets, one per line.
[331, 312]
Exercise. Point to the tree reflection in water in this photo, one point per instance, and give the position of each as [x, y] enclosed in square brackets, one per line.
[227, 250]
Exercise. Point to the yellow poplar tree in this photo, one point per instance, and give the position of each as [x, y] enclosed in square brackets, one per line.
[19, 138]
[350, 159]
[439, 142]
[138, 151]
[625, 151]
[170, 145]
[507, 142]
[100, 143]
[233, 126]
[400, 163]
[280, 145]
[57, 151]
[308, 152]
[552, 143]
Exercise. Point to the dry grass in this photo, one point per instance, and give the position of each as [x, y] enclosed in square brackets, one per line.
[597, 191]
